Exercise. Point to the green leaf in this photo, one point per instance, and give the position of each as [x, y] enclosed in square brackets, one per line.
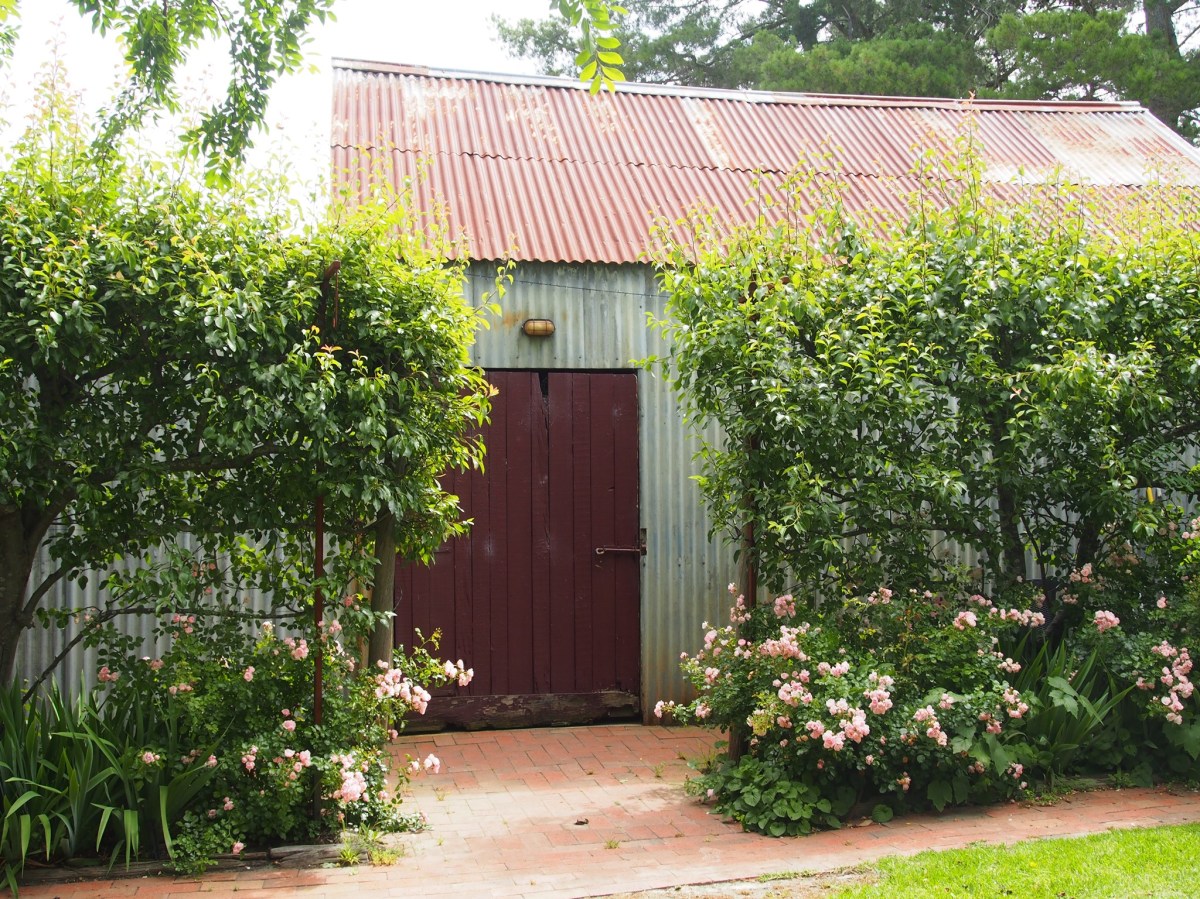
[940, 793]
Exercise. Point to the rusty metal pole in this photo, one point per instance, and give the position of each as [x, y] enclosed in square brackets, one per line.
[319, 610]
[738, 738]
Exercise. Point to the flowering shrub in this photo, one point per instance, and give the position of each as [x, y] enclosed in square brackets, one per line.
[230, 704]
[1137, 609]
[911, 698]
[900, 700]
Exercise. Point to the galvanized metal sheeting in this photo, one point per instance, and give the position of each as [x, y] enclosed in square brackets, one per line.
[599, 314]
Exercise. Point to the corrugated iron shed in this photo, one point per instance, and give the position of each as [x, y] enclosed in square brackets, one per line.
[537, 169]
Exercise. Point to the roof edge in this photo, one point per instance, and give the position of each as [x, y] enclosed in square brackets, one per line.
[744, 96]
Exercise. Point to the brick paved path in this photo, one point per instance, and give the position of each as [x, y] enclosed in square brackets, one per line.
[503, 816]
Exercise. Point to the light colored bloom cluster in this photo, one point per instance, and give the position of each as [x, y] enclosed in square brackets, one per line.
[826, 670]
[1104, 620]
[787, 645]
[878, 698]
[785, 606]
[354, 784]
[150, 758]
[993, 723]
[1175, 678]
[1023, 617]
[739, 614]
[431, 765]
[946, 702]
[793, 693]
[391, 683]
[295, 762]
[299, 648]
[1016, 707]
[855, 725]
[1194, 530]
[155, 664]
[711, 674]
[250, 758]
[105, 676]
[176, 689]
[965, 619]
[1082, 575]
[1007, 665]
[184, 622]
[933, 727]
[881, 597]
[457, 672]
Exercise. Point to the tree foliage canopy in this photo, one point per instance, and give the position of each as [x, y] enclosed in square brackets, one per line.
[1148, 50]
[264, 40]
[1006, 378]
[164, 369]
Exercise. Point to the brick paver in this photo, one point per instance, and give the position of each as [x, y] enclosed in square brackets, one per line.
[563, 812]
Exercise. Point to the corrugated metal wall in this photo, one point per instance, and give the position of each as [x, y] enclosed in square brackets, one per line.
[599, 314]
[40, 646]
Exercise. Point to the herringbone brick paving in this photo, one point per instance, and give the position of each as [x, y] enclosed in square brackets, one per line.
[589, 811]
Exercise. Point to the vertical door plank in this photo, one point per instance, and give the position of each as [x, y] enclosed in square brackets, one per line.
[518, 530]
[539, 591]
[584, 555]
[563, 548]
[508, 383]
[603, 518]
[628, 569]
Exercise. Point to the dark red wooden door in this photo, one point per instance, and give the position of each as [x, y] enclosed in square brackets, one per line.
[524, 598]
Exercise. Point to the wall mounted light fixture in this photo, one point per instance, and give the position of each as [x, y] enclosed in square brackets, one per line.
[538, 327]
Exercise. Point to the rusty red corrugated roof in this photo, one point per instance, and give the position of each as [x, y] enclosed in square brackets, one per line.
[537, 169]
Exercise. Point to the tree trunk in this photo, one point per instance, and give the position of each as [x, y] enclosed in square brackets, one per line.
[1160, 23]
[1011, 564]
[383, 591]
[1160, 28]
[16, 562]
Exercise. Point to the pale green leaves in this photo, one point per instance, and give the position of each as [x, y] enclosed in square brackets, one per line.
[264, 41]
[598, 61]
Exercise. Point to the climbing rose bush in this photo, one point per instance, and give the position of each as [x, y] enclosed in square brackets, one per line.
[904, 699]
[228, 710]
[899, 700]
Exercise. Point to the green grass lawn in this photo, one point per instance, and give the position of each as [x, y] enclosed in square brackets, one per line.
[1158, 862]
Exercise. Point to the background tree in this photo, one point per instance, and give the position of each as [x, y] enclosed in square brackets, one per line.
[1146, 51]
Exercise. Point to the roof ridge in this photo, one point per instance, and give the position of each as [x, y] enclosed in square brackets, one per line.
[744, 96]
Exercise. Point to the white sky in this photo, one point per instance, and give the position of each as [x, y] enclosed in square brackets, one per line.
[450, 34]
